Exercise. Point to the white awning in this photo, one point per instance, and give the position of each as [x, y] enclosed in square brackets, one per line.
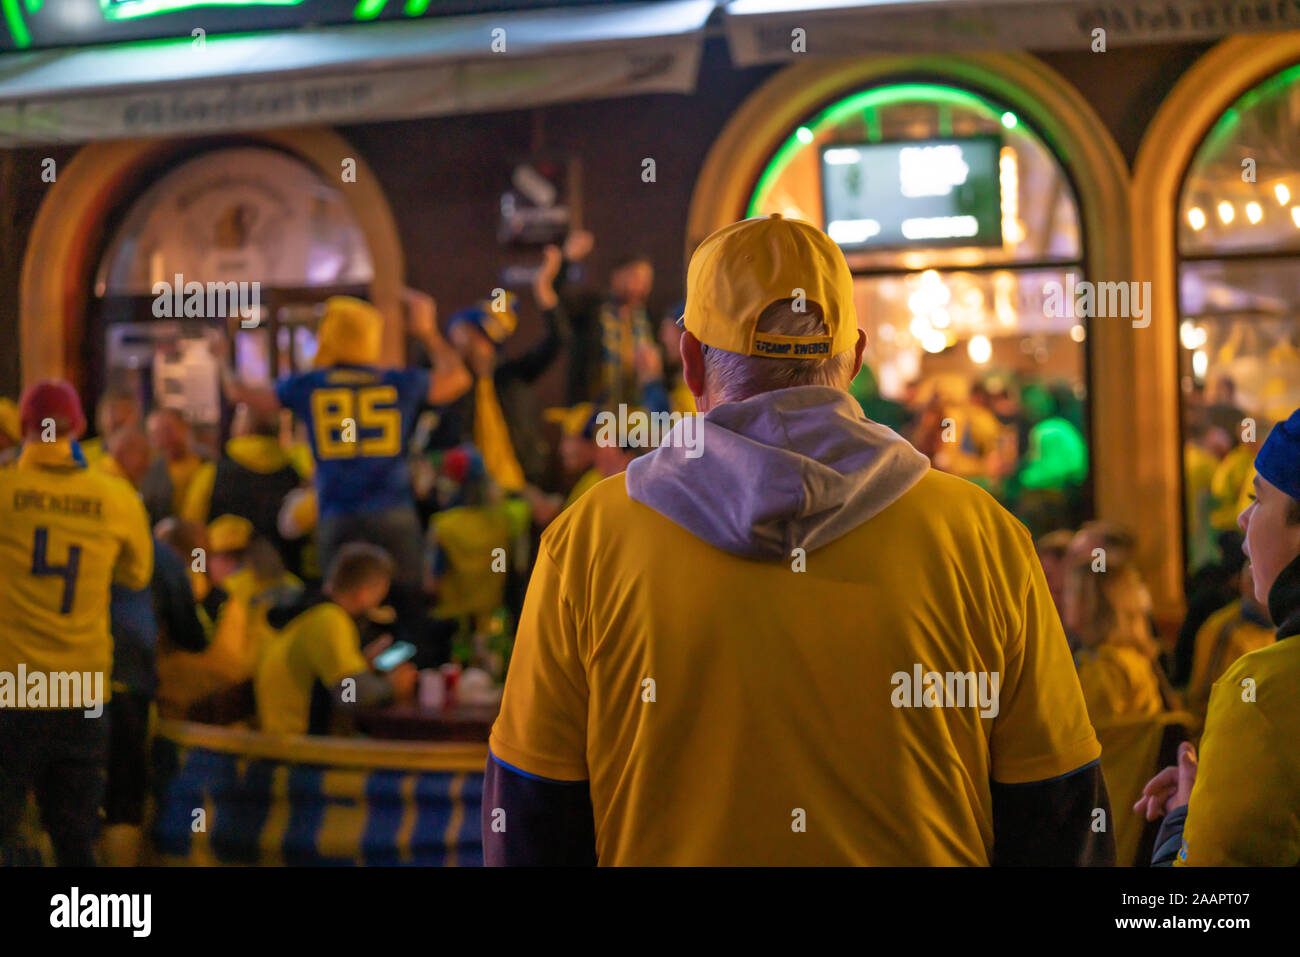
[334, 75]
[763, 31]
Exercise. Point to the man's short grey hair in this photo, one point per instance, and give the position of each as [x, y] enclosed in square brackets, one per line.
[731, 377]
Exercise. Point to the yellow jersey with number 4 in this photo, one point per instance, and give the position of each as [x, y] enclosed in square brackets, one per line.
[66, 534]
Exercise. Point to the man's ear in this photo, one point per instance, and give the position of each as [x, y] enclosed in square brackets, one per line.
[692, 363]
[857, 354]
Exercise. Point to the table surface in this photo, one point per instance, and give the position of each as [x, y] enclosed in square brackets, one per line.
[409, 722]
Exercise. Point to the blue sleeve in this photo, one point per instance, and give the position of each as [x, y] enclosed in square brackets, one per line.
[292, 391]
[1169, 839]
[529, 821]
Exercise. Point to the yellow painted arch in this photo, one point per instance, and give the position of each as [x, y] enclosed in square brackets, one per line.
[67, 235]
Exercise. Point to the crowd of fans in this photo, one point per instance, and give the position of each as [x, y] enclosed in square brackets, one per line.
[356, 510]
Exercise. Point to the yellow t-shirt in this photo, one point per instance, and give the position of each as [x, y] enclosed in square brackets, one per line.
[1118, 682]
[733, 711]
[66, 534]
[467, 537]
[1224, 638]
[1243, 806]
[322, 644]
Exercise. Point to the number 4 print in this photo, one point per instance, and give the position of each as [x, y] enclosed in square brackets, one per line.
[68, 571]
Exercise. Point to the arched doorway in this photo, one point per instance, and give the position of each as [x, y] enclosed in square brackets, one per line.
[91, 199]
[233, 251]
[1060, 210]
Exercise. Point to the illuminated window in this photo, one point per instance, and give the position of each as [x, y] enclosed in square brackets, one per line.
[957, 220]
[1239, 282]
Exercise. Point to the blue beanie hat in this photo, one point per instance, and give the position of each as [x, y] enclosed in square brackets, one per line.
[1278, 460]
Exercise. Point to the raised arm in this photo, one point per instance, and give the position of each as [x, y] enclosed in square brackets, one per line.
[529, 365]
[450, 379]
[259, 397]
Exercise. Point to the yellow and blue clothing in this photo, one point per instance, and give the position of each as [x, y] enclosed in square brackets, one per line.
[740, 611]
[575, 708]
[1242, 809]
[66, 534]
[359, 419]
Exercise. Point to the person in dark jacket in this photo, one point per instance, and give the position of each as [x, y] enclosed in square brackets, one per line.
[251, 479]
[137, 616]
[479, 334]
[1235, 803]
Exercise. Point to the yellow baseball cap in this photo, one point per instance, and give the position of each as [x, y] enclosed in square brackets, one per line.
[229, 533]
[743, 268]
[572, 420]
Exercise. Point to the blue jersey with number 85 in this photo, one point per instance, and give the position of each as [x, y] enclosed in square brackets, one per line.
[359, 419]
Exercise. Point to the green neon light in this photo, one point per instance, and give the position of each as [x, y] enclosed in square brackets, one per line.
[14, 20]
[369, 9]
[867, 100]
[415, 8]
[1009, 120]
[34, 6]
[135, 9]
[1275, 85]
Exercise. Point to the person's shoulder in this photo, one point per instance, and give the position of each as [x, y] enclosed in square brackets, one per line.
[403, 374]
[1255, 703]
[941, 498]
[603, 507]
[1276, 665]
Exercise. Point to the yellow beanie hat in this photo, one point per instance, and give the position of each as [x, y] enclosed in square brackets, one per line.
[350, 331]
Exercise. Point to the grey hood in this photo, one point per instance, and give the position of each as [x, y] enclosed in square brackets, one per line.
[791, 468]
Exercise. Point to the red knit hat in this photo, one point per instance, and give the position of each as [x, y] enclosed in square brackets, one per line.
[52, 399]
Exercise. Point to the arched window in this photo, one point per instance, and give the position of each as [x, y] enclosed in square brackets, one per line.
[958, 222]
[247, 214]
[1239, 282]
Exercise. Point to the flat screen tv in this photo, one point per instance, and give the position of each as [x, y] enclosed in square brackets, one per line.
[913, 194]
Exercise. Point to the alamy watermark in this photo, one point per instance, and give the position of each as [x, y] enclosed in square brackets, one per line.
[212, 300]
[1082, 299]
[53, 689]
[638, 429]
[947, 689]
